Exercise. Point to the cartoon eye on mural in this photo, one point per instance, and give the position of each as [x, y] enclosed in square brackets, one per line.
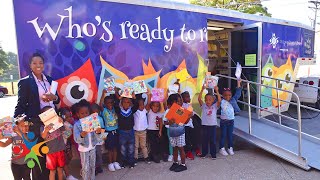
[81, 84]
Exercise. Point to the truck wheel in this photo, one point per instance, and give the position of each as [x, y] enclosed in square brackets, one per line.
[317, 105]
[1, 94]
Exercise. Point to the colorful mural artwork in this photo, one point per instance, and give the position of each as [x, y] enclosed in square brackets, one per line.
[87, 41]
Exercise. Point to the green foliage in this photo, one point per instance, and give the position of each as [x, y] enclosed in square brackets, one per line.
[245, 6]
[8, 66]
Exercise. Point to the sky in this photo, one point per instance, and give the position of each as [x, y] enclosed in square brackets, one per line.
[292, 10]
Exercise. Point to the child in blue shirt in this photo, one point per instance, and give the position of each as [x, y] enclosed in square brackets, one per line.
[229, 107]
[110, 118]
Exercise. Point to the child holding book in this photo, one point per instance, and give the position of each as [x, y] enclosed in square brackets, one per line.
[176, 136]
[95, 108]
[65, 114]
[19, 167]
[87, 142]
[155, 130]
[209, 121]
[126, 133]
[229, 107]
[140, 128]
[56, 156]
[110, 118]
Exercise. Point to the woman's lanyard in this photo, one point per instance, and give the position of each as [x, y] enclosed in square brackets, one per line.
[44, 87]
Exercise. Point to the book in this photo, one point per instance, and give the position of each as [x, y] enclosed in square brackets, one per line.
[109, 85]
[211, 81]
[173, 89]
[157, 95]
[6, 126]
[50, 118]
[126, 92]
[179, 114]
[90, 123]
[139, 87]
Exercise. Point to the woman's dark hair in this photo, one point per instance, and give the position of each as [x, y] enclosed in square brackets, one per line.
[173, 98]
[36, 55]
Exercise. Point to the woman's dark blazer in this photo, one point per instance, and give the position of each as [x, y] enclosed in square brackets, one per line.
[28, 98]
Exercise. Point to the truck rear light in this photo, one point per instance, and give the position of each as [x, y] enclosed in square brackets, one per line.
[311, 83]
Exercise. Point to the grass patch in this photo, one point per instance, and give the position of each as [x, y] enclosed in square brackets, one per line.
[8, 85]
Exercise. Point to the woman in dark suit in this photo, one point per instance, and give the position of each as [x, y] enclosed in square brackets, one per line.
[33, 95]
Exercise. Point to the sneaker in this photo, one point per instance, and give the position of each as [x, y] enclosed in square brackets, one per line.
[213, 157]
[131, 166]
[170, 158]
[70, 177]
[174, 166]
[180, 168]
[179, 158]
[189, 155]
[203, 156]
[223, 152]
[135, 162]
[198, 152]
[117, 166]
[230, 151]
[147, 160]
[99, 170]
[111, 167]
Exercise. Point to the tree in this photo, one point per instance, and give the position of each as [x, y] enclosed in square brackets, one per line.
[245, 6]
[3, 61]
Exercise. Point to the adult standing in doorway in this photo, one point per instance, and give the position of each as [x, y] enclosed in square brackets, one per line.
[33, 95]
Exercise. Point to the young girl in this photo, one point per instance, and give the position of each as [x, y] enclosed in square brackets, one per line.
[56, 156]
[178, 141]
[126, 132]
[87, 142]
[95, 108]
[209, 122]
[155, 130]
[65, 114]
[229, 107]
[19, 167]
[140, 129]
[111, 125]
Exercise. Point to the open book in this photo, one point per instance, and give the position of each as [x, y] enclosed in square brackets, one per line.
[157, 95]
[6, 126]
[50, 118]
[90, 123]
[211, 81]
[179, 114]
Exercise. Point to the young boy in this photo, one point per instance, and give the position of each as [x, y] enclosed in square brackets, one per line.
[56, 156]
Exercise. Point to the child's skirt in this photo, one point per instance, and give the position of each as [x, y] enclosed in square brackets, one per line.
[179, 141]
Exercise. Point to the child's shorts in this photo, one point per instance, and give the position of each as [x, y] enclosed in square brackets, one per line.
[179, 141]
[55, 160]
[112, 140]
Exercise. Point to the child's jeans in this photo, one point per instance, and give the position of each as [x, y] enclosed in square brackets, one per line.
[140, 141]
[88, 163]
[209, 136]
[126, 141]
[170, 147]
[98, 155]
[226, 128]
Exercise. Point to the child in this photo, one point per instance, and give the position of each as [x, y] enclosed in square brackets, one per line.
[56, 156]
[191, 143]
[209, 122]
[19, 167]
[110, 118]
[155, 130]
[66, 115]
[126, 132]
[87, 142]
[95, 108]
[177, 141]
[229, 107]
[140, 129]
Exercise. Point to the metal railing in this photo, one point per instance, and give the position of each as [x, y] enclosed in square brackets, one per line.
[277, 113]
[295, 83]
